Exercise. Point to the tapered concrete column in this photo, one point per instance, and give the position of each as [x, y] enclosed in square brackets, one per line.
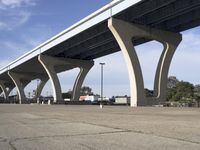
[20, 85]
[124, 32]
[52, 64]
[161, 78]
[10, 88]
[49, 65]
[4, 90]
[79, 81]
[40, 87]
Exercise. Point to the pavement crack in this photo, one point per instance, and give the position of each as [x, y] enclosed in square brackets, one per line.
[12, 145]
[178, 139]
[88, 147]
[167, 137]
[141, 132]
[2, 139]
[106, 126]
[58, 136]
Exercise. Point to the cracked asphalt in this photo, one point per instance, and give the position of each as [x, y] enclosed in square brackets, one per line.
[67, 127]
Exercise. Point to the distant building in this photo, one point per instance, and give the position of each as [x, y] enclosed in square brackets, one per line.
[104, 99]
[122, 100]
[91, 98]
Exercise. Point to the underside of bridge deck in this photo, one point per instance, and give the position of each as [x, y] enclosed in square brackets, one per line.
[144, 21]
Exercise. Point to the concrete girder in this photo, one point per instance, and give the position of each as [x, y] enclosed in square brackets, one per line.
[124, 32]
[20, 84]
[51, 64]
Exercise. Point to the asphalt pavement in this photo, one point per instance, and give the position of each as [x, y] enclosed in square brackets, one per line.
[68, 127]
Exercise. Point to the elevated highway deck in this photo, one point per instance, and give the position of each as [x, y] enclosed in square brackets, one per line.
[91, 38]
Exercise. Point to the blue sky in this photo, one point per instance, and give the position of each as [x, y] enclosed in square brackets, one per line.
[26, 23]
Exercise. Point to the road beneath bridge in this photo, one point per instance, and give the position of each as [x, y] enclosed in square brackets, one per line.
[36, 127]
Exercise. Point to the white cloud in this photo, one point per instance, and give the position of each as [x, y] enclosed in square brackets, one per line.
[3, 25]
[3, 63]
[23, 17]
[186, 60]
[15, 20]
[14, 13]
[37, 34]
[18, 47]
[13, 50]
[6, 4]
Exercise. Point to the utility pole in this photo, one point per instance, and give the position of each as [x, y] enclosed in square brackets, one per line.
[101, 103]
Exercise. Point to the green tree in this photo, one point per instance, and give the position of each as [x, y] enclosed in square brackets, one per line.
[86, 90]
[172, 81]
[197, 99]
[149, 93]
[170, 93]
[197, 94]
[67, 95]
[171, 88]
[183, 92]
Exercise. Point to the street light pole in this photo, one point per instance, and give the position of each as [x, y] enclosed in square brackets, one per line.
[36, 93]
[102, 64]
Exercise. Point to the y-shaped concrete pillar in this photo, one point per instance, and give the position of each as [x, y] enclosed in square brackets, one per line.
[40, 87]
[124, 32]
[84, 69]
[9, 89]
[170, 44]
[1, 91]
[20, 85]
[6, 89]
[49, 64]
[52, 65]
[3, 88]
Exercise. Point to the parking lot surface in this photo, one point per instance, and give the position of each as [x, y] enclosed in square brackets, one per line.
[68, 127]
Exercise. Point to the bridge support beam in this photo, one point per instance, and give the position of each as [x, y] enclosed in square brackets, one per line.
[52, 65]
[84, 69]
[4, 89]
[124, 32]
[49, 64]
[9, 89]
[40, 87]
[20, 84]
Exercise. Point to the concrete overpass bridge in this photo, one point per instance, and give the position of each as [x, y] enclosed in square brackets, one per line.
[120, 25]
